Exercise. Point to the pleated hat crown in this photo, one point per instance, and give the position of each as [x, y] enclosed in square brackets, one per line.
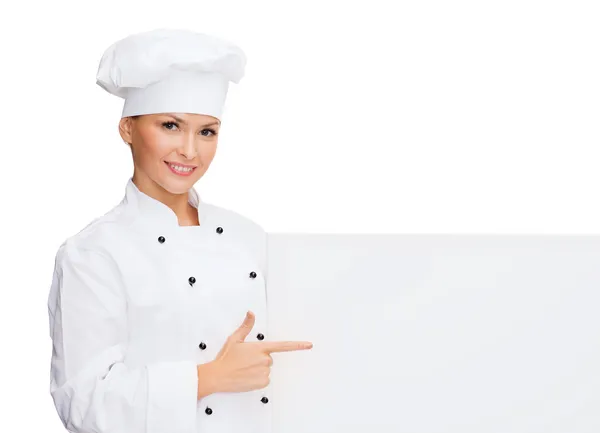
[171, 71]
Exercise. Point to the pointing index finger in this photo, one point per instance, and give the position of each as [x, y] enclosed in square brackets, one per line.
[285, 346]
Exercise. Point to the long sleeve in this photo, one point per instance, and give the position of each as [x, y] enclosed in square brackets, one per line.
[92, 389]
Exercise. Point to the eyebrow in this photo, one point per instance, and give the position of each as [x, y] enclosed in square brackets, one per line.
[179, 119]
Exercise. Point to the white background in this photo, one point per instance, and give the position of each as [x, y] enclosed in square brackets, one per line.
[379, 117]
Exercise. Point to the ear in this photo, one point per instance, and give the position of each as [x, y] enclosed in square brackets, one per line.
[125, 129]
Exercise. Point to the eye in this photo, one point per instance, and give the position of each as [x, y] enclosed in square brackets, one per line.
[169, 123]
[210, 130]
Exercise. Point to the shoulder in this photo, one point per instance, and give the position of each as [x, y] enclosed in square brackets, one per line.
[85, 270]
[95, 236]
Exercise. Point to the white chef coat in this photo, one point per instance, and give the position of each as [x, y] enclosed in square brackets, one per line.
[137, 301]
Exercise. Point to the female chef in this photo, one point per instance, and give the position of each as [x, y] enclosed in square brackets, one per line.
[157, 309]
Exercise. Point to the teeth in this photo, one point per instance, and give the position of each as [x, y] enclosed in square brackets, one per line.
[179, 168]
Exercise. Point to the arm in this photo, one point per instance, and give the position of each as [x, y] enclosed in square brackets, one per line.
[92, 389]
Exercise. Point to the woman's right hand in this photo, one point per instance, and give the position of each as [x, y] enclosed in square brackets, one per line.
[242, 366]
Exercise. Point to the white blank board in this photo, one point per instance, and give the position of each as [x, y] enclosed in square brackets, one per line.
[435, 333]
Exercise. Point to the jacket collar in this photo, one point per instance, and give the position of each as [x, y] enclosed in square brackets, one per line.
[156, 212]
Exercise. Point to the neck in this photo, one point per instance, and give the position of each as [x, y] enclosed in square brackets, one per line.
[187, 215]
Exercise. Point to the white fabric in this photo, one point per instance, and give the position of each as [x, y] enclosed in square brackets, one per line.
[171, 70]
[126, 322]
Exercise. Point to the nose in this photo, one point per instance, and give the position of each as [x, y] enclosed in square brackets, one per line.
[188, 148]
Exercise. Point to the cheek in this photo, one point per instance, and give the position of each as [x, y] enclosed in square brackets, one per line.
[155, 147]
[207, 152]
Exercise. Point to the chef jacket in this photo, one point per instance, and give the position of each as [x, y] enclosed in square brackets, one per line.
[138, 301]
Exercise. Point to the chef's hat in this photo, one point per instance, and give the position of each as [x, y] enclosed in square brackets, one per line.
[171, 71]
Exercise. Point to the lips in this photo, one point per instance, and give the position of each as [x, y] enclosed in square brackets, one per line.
[179, 164]
[181, 173]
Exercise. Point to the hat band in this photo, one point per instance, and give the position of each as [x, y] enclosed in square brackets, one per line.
[181, 91]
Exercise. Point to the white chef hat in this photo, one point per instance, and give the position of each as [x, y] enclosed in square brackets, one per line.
[171, 71]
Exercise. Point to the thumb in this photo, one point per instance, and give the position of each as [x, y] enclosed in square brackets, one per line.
[242, 332]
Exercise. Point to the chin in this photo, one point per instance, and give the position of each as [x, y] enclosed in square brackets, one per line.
[177, 186]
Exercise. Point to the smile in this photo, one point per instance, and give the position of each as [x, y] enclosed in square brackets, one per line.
[180, 170]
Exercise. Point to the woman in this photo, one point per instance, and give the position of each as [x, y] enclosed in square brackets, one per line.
[158, 308]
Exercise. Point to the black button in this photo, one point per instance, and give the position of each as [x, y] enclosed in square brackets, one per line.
[265, 400]
[208, 410]
[252, 274]
[161, 239]
[202, 346]
[219, 230]
[192, 280]
[260, 337]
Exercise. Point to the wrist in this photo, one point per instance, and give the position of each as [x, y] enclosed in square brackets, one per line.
[207, 379]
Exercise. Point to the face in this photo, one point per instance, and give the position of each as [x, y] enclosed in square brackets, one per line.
[159, 141]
